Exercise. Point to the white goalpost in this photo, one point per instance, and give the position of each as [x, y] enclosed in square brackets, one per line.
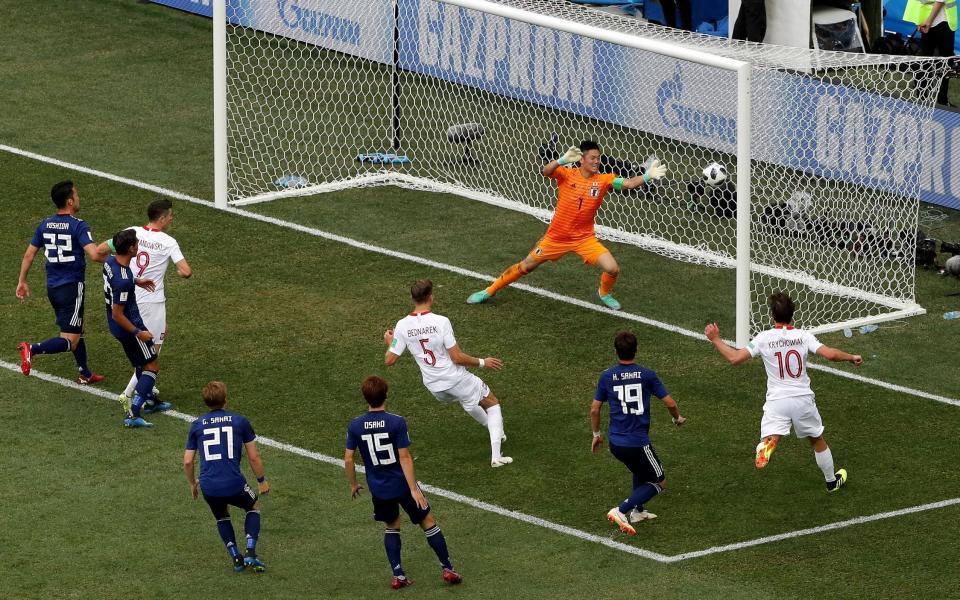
[819, 152]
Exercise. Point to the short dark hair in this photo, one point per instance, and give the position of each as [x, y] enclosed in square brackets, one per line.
[124, 240]
[625, 344]
[781, 307]
[421, 290]
[215, 394]
[374, 390]
[587, 145]
[158, 208]
[61, 192]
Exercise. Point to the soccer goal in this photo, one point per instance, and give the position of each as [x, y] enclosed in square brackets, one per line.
[799, 169]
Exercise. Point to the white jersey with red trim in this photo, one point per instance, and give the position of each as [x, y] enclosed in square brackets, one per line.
[784, 350]
[157, 250]
[428, 336]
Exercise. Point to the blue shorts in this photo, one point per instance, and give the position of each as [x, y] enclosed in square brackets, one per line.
[67, 302]
[245, 499]
[388, 509]
[139, 353]
[642, 462]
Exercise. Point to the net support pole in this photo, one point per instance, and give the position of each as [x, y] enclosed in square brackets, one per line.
[220, 103]
[744, 117]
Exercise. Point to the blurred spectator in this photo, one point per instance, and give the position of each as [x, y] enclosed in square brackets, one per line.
[670, 13]
[751, 23]
[937, 22]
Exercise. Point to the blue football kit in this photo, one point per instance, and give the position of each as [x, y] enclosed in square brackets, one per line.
[119, 287]
[627, 389]
[62, 238]
[379, 435]
[218, 437]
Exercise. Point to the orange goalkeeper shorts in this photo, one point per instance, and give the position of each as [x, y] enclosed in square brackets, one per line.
[589, 249]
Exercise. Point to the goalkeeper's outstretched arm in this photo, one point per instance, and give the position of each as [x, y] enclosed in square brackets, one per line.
[572, 155]
[656, 170]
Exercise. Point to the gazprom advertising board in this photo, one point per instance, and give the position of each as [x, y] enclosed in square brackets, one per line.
[822, 128]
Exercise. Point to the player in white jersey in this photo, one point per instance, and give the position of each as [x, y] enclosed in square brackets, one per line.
[790, 401]
[429, 338]
[157, 251]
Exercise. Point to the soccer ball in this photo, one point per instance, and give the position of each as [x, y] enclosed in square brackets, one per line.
[714, 174]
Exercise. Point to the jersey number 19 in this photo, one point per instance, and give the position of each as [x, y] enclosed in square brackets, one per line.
[631, 398]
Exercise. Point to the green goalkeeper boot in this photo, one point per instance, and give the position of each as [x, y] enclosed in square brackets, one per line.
[478, 297]
[609, 301]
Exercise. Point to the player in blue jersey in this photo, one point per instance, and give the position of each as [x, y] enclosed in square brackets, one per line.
[123, 319]
[222, 436]
[66, 241]
[627, 387]
[384, 444]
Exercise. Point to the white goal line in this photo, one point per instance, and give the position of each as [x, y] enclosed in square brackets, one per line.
[523, 517]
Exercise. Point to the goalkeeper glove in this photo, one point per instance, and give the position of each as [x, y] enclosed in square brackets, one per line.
[572, 155]
[654, 171]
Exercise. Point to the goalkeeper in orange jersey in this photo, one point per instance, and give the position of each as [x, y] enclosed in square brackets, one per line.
[579, 194]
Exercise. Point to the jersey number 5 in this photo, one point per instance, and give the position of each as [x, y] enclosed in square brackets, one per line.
[631, 398]
[214, 440]
[430, 358]
[375, 446]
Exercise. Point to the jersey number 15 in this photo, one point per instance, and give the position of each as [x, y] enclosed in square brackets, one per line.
[376, 448]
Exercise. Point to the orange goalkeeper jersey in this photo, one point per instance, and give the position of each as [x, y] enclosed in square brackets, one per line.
[578, 199]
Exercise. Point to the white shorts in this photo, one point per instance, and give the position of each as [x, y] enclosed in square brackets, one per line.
[468, 392]
[800, 411]
[154, 315]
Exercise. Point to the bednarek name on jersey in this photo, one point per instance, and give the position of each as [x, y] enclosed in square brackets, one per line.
[428, 336]
[627, 389]
[62, 238]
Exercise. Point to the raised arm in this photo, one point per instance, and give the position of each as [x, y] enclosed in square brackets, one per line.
[97, 252]
[656, 170]
[733, 355]
[572, 155]
[389, 358]
[459, 357]
[832, 354]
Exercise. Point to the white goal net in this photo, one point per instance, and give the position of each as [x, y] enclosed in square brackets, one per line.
[820, 151]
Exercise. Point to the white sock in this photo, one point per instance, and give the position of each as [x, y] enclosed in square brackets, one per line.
[131, 386]
[825, 462]
[477, 413]
[495, 427]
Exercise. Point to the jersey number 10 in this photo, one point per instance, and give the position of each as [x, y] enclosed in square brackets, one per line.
[792, 363]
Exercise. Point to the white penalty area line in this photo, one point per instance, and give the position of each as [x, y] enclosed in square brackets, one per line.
[451, 268]
[523, 517]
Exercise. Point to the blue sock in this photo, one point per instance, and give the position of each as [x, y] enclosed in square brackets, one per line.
[80, 355]
[252, 528]
[145, 383]
[225, 529]
[439, 544]
[639, 497]
[136, 405]
[391, 543]
[52, 346]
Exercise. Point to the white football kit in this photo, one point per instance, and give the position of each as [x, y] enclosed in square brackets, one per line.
[428, 336]
[157, 250]
[789, 397]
